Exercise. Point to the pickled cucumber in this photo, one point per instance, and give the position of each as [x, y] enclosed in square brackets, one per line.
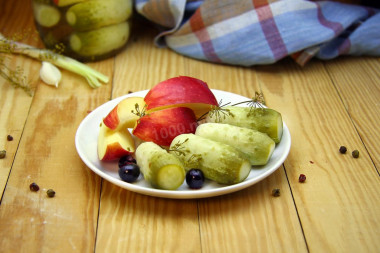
[257, 146]
[94, 14]
[46, 15]
[100, 41]
[160, 168]
[264, 120]
[218, 161]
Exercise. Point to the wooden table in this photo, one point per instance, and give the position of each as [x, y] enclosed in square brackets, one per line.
[325, 105]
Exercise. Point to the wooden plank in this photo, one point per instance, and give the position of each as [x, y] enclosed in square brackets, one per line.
[141, 223]
[14, 108]
[252, 220]
[47, 155]
[15, 103]
[355, 79]
[338, 203]
[246, 221]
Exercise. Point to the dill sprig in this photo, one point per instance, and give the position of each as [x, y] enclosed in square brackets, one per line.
[193, 161]
[15, 77]
[218, 111]
[256, 101]
[179, 149]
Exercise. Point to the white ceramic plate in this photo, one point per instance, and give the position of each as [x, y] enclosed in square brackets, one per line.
[86, 145]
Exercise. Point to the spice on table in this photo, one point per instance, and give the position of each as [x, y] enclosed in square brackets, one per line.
[302, 178]
[276, 192]
[355, 153]
[34, 187]
[50, 193]
[10, 137]
[3, 153]
[342, 149]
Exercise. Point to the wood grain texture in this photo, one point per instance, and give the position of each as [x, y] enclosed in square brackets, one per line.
[15, 103]
[325, 105]
[338, 204]
[355, 79]
[47, 156]
[252, 220]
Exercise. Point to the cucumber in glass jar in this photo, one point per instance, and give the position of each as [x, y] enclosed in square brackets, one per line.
[94, 14]
[100, 41]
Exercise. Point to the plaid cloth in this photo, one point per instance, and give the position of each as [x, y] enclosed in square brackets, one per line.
[251, 32]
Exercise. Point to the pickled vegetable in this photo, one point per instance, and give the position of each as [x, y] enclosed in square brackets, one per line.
[100, 41]
[160, 168]
[264, 120]
[94, 14]
[46, 15]
[258, 147]
[218, 161]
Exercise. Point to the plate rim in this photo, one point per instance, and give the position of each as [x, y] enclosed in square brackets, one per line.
[174, 194]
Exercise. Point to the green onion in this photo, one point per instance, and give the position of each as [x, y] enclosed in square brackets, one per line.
[92, 76]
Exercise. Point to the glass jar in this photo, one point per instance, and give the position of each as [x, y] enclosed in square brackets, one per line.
[87, 30]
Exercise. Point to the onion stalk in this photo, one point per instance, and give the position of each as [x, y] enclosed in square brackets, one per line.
[92, 76]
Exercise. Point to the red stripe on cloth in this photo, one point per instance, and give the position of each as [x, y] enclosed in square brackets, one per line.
[259, 3]
[271, 32]
[336, 27]
[198, 27]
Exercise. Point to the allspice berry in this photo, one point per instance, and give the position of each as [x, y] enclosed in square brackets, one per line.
[50, 193]
[355, 153]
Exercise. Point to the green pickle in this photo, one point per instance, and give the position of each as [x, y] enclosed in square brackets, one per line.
[160, 168]
[264, 120]
[219, 162]
[84, 30]
[258, 147]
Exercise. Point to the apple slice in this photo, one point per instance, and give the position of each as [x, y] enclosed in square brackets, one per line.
[162, 126]
[112, 145]
[121, 116]
[182, 91]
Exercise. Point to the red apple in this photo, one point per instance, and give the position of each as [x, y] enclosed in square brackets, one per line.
[182, 91]
[162, 126]
[114, 144]
[121, 116]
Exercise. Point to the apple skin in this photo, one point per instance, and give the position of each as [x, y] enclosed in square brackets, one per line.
[182, 91]
[162, 126]
[112, 145]
[121, 116]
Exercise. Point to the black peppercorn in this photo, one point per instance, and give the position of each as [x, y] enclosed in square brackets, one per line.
[355, 153]
[34, 187]
[276, 192]
[10, 137]
[342, 149]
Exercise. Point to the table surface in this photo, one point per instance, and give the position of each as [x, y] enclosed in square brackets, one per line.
[325, 104]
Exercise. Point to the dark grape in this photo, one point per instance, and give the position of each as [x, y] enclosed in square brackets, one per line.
[129, 172]
[195, 178]
[124, 160]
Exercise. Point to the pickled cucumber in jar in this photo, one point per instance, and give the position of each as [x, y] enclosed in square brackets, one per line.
[87, 30]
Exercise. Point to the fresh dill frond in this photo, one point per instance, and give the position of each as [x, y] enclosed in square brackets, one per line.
[218, 111]
[193, 161]
[15, 77]
[179, 149]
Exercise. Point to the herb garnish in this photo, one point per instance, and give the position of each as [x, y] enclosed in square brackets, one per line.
[221, 113]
